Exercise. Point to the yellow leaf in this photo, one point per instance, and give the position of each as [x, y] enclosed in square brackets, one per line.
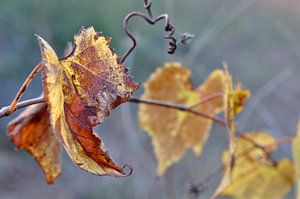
[239, 98]
[253, 175]
[271, 182]
[229, 118]
[80, 90]
[32, 132]
[296, 154]
[174, 131]
[234, 100]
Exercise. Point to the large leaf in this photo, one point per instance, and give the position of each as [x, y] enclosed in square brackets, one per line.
[81, 89]
[174, 131]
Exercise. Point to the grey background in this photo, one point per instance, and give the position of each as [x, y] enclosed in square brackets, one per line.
[259, 39]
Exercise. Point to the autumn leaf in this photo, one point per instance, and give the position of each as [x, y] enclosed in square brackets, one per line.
[174, 131]
[240, 96]
[80, 90]
[234, 100]
[254, 176]
[296, 154]
[31, 131]
[229, 113]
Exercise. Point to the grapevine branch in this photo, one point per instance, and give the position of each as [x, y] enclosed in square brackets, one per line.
[196, 112]
[5, 111]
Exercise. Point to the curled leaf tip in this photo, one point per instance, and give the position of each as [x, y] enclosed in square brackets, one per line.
[129, 168]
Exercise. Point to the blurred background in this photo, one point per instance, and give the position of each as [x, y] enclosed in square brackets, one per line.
[259, 39]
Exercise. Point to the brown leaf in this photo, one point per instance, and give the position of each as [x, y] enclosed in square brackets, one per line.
[173, 131]
[31, 131]
[81, 90]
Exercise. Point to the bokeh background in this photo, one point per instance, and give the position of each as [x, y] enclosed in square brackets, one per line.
[259, 39]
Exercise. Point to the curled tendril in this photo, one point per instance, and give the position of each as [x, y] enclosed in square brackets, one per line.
[169, 29]
[129, 168]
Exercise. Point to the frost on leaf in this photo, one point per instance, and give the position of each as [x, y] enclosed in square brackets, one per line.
[254, 176]
[80, 90]
[31, 131]
[174, 131]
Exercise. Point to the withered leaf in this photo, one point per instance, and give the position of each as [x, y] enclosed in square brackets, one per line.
[32, 131]
[173, 131]
[254, 176]
[81, 89]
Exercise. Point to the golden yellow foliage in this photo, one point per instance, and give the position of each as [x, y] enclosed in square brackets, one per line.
[296, 154]
[80, 90]
[234, 100]
[254, 176]
[32, 131]
[239, 98]
[174, 131]
[229, 112]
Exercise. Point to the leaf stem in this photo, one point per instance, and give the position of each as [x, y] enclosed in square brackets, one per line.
[205, 99]
[6, 110]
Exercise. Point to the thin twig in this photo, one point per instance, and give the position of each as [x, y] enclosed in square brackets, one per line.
[21, 91]
[5, 111]
[178, 107]
[196, 112]
[205, 99]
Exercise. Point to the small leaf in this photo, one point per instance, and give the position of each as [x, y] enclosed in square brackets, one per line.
[239, 98]
[31, 131]
[81, 89]
[296, 154]
[254, 176]
[174, 131]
